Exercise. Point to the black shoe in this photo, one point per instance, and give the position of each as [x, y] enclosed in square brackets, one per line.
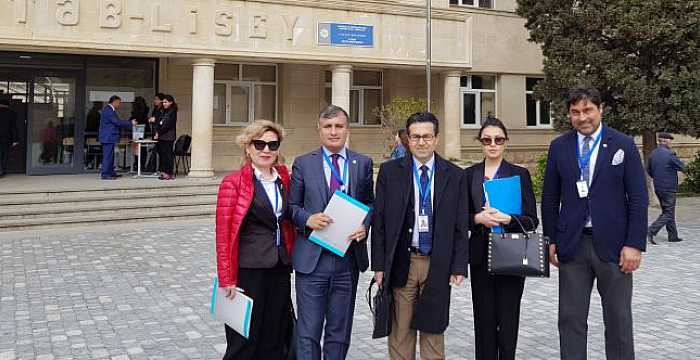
[651, 239]
[675, 240]
[108, 178]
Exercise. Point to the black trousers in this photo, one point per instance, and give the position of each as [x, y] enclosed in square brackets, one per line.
[667, 217]
[166, 154]
[496, 300]
[270, 290]
[615, 289]
[4, 155]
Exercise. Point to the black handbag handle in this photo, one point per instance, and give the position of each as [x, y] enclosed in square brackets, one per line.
[369, 294]
[521, 224]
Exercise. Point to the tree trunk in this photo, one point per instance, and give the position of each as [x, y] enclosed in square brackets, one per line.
[648, 145]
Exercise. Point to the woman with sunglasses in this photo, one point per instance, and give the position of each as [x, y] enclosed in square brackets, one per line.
[254, 239]
[496, 298]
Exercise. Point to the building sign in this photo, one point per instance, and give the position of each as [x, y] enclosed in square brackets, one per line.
[345, 34]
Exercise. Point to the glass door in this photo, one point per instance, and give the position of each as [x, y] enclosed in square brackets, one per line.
[54, 119]
[14, 92]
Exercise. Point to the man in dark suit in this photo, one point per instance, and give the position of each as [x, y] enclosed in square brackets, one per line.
[663, 166]
[594, 211]
[8, 132]
[109, 135]
[419, 239]
[326, 283]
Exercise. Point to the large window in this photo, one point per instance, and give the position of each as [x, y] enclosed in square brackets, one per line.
[365, 96]
[538, 112]
[244, 93]
[487, 4]
[478, 97]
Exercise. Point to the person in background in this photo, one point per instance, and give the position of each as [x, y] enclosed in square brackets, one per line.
[401, 144]
[254, 242]
[663, 166]
[156, 113]
[8, 132]
[92, 120]
[495, 298]
[139, 112]
[165, 135]
[110, 124]
[419, 240]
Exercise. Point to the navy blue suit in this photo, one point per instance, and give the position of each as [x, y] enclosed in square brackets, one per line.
[110, 124]
[617, 203]
[326, 284]
[617, 199]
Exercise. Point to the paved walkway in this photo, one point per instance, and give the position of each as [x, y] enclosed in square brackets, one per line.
[143, 293]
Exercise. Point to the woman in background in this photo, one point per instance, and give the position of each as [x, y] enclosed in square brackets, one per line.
[165, 134]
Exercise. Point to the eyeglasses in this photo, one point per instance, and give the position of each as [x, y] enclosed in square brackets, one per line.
[417, 138]
[488, 141]
[260, 145]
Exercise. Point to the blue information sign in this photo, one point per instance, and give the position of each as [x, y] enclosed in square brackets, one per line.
[345, 34]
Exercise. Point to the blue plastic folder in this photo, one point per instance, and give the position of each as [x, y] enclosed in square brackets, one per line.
[504, 195]
[235, 313]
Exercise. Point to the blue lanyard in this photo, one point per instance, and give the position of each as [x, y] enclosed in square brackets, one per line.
[423, 193]
[334, 172]
[583, 161]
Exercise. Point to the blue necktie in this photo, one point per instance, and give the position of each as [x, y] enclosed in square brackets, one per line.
[425, 239]
[586, 148]
[334, 184]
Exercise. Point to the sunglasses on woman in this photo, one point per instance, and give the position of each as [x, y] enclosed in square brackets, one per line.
[488, 141]
[260, 145]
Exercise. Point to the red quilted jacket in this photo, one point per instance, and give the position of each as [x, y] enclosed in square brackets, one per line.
[234, 199]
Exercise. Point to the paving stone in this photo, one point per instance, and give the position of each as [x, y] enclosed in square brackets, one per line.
[142, 292]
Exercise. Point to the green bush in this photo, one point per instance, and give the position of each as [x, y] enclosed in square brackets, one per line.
[691, 184]
[538, 178]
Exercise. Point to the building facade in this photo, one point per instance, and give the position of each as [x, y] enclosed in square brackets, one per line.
[230, 62]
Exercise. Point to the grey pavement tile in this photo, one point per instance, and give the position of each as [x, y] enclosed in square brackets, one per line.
[142, 292]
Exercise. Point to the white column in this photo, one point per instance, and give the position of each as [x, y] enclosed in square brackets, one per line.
[202, 118]
[341, 86]
[451, 137]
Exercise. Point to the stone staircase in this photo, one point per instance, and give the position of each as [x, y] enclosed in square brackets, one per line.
[122, 204]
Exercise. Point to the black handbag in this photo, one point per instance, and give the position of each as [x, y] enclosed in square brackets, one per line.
[518, 254]
[381, 305]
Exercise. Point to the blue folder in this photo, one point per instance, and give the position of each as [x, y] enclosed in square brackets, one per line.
[504, 195]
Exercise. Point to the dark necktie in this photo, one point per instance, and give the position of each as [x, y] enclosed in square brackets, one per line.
[334, 184]
[425, 239]
[586, 148]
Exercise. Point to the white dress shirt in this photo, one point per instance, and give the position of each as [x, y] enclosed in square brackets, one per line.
[341, 164]
[416, 194]
[594, 156]
[270, 189]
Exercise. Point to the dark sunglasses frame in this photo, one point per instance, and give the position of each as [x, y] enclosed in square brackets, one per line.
[497, 140]
[261, 144]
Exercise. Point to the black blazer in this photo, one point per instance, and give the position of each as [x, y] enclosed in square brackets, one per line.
[392, 219]
[256, 239]
[479, 233]
[166, 125]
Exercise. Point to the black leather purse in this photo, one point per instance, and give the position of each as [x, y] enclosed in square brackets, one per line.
[518, 254]
[381, 305]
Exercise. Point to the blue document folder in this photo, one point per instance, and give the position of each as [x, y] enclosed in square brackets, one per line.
[504, 195]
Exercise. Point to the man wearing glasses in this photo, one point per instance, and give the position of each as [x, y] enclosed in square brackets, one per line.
[326, 283]
[419, 239]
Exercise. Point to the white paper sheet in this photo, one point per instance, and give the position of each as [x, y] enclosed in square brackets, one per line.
[347, 214]
[235, 313]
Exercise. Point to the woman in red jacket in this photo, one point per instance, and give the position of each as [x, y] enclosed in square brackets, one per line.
[254, 239]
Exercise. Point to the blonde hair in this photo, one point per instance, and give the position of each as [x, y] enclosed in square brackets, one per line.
[256, 130]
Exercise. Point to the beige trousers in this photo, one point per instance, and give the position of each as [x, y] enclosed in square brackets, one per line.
[402, 340]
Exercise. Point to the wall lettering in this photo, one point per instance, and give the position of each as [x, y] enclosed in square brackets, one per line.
[111, 14]
[67, 12]
[258, 27]
[156, 26]
[223, 21]
[290, 22]
[193, 21]
[20, 8]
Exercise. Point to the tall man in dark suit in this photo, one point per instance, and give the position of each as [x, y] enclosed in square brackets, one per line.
[663, 166]
[109, 135]
[8, 132]
[594, 210]
[419, 239]
[326, 283]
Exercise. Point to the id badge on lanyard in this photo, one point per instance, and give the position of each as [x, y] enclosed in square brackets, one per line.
[582, 187]
[423, 223]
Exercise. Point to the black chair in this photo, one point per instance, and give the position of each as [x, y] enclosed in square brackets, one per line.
[182, 153]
